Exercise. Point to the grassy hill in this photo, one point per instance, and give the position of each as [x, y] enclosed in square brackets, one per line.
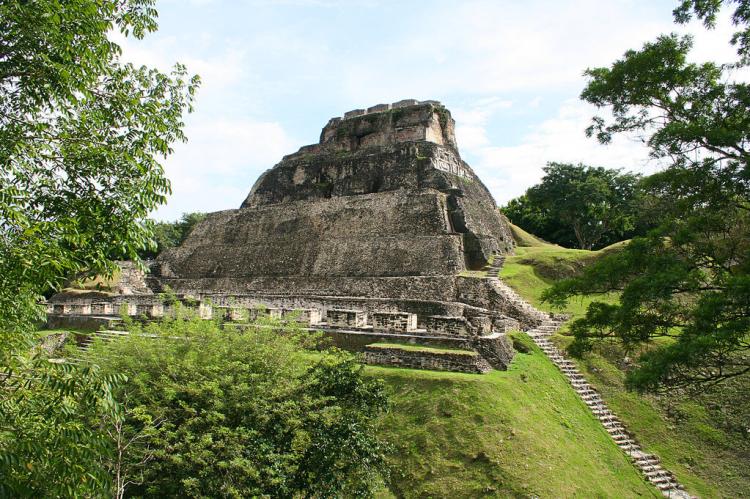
[519, 433]
[700, 438]
[526, 239]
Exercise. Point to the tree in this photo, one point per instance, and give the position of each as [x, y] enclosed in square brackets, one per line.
[688, 280]
[49, 442]
[244, 411]
[171, 234]
[586, 206]
[81, 140]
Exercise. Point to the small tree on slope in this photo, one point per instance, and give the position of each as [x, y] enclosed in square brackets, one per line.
[689, 279]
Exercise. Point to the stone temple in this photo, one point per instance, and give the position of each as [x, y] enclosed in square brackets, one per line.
[371, 234]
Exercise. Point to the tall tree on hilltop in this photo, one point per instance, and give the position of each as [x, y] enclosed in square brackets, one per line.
[578, 205]
[689, 279]
[82, 137]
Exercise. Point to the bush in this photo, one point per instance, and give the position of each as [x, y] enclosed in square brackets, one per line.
[241, 411]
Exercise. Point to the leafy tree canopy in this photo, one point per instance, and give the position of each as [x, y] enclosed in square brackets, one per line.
[688, 280]
[81, 140]
[243, 412]
[82, 136]
[707, 10]
[578, 205]
[171, 234]
[50, 443]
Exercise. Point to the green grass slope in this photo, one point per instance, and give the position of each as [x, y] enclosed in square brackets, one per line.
[709, 459]
[519, 433]
[526, 239]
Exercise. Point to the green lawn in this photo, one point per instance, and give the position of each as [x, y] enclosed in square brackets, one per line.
[709, 461]
[526, 239]
[531, 270]
[517, 433]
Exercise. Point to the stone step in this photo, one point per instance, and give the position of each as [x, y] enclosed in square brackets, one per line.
[656, 473]
[647, 463]
[114, 332]
[613, 425]
[662, 479]
[584, 391]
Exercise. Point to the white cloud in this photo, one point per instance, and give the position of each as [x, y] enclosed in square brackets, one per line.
[471, 122]
[514, 62]
[509, 171]
[224, 154]
[219, 164]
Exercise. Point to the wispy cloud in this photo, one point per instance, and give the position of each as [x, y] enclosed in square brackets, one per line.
[274, 71]
[509, 171]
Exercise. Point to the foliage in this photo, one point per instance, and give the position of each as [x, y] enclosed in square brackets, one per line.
[81, 139]
[171, 234]
[578, 205]
[706, 11]
[49, 442]
[700, 435]
[243, 411]
[516, 433]
[688, 279]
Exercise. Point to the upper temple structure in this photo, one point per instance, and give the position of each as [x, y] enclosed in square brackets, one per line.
[372, 231]
[383, 201]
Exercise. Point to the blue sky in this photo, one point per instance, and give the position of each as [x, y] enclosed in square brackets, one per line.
[274, 72]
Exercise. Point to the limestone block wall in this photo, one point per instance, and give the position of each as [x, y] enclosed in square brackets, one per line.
[327, 174]
[102, 308]
[401, 322]
[346, 318]
[496, 348]
[151, 310]
[309, 316]
[488, 294]
[389, 234]
[83, 308]
[450, 326]
[132, 280]
[396, 357]
[385, 124]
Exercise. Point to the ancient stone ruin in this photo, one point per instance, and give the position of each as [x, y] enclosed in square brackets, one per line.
[368, 235]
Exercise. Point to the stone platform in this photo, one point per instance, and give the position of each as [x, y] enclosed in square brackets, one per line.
[368, 230]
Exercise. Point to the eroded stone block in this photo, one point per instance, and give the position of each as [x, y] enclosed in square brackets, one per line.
[346, 318]
[396, 322]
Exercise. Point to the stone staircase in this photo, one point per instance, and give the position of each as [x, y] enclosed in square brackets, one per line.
[509, 294]
[647, 463]
[83, 346]
[493, 269]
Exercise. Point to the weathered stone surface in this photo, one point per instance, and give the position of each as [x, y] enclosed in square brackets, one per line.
[435, 361]
[365, 232]
[384, 194]
[132, 280]
[496, 348]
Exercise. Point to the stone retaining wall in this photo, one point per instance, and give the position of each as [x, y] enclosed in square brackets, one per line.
[436, 361]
